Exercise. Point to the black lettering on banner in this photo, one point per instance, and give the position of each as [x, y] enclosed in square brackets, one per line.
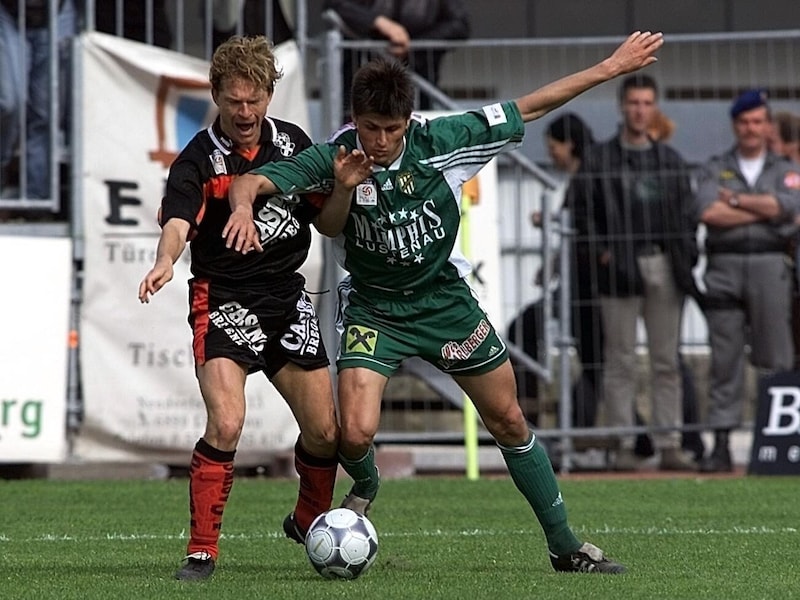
[116, 201]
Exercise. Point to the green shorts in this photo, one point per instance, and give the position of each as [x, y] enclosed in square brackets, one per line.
[446, 327]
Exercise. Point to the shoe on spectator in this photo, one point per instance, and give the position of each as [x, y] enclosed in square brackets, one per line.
[675, 459]
[719, 461]
[626, 460]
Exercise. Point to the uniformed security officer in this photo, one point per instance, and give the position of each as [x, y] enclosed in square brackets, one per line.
[748, 199]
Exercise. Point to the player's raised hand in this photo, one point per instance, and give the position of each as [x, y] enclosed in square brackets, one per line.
[351, 168]
[636, 52]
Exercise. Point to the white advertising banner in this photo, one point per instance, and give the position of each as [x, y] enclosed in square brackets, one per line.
[36, 272]
[140, 106]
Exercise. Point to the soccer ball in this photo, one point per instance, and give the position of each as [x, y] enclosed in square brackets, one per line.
[341, 544]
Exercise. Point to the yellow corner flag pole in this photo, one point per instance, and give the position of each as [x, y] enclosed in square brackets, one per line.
[469, 195]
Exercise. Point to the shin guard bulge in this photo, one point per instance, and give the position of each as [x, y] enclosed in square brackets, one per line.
[210, 483]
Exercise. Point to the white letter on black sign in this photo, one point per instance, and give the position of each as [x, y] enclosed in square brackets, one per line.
[778, 410]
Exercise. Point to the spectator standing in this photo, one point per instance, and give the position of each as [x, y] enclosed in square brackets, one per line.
[134, 21]
[251, 17]
[633, 198]
[748, 198]
[568, 139]
[400, 22]
[785, 141]
[25, 76]
[786, 138]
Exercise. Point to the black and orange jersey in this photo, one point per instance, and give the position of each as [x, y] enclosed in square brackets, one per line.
[197, 192]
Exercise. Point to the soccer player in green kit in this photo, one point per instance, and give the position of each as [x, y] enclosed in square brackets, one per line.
[406, 294]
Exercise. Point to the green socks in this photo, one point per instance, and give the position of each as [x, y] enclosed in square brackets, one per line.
[364, 473]
[533, 475]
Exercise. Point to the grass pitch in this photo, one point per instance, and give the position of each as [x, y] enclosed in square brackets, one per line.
[442, 538]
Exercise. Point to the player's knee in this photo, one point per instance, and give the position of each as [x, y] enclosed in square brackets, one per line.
[225, 432]
[322, 440]
[355, 441]
[508, 425]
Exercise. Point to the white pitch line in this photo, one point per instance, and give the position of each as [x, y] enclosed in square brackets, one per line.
[255, 535]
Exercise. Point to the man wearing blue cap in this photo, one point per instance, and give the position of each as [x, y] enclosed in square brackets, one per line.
[748, 198]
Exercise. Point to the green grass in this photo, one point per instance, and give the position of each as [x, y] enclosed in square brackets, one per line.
[439, 538]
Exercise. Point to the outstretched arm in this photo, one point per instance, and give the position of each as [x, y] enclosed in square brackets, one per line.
[350, 169]
[634, 53]
[240, 232]
[170, 247]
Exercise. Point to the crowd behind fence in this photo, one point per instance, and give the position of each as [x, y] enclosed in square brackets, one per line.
[698, 75]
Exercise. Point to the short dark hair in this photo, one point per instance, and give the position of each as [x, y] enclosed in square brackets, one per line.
[383, 86]
[637, 81]
[569, 127]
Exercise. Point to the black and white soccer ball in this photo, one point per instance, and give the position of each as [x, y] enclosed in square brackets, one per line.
[341, 544]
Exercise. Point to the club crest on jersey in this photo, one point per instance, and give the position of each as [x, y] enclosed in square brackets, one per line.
[361, 339]
[284, 143]
[367, 193]
[405, 182]
[218, 162]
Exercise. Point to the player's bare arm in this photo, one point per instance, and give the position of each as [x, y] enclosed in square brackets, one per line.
[240, 232]
[634, 53]
[170, 247]
[349, 169]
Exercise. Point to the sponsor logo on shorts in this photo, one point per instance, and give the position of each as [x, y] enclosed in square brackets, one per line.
[303, 336]
[361, 339]
[241, 326]
[453, 352]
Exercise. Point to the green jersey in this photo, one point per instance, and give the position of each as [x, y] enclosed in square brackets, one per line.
[401, 232]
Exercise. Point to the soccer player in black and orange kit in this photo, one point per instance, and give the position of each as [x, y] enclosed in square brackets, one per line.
[248, 312]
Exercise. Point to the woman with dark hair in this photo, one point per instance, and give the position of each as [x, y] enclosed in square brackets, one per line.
[568, 138]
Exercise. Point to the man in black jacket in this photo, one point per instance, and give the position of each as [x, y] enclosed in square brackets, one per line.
[632, 201]
[399, 23]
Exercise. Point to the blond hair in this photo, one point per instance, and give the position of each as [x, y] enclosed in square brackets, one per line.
[245, 57]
